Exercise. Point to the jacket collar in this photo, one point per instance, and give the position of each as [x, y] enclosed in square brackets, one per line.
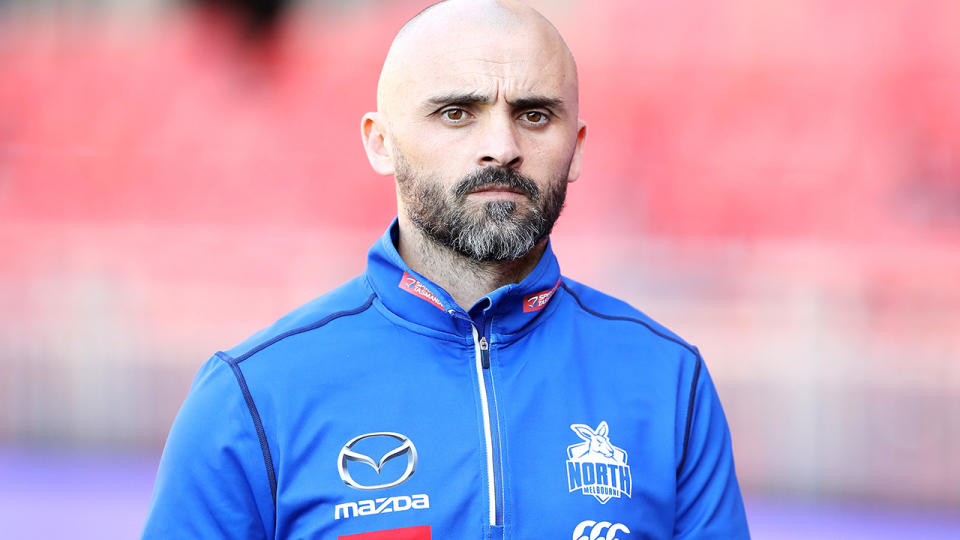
[417, 300]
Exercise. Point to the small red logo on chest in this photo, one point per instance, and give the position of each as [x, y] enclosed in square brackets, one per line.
[407, 533]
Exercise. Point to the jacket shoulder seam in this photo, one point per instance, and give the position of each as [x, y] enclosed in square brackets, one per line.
[645, 324]
[690, 405]
[257, 423]
[306, 328]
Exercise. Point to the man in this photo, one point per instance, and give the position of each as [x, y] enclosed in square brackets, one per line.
[460, 388]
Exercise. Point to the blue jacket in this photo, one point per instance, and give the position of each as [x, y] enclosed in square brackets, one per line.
[383, 411]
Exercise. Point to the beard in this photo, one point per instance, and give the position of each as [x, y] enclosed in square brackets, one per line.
[494, 231]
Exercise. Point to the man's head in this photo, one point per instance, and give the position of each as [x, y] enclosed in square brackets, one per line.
[477, 120]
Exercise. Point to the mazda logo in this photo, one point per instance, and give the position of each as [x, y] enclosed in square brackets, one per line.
[405, 447]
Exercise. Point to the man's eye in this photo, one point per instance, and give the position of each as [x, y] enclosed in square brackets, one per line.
[535, 117]
[454, 114]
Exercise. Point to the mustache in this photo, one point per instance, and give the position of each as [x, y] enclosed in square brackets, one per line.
[497, 176]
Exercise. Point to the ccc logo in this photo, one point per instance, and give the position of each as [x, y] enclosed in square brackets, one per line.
[597, 530]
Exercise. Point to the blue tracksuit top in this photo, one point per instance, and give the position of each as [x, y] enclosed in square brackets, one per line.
[383, 411]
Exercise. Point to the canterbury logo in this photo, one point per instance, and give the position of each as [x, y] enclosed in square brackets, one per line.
[597, 530]
[347, 454]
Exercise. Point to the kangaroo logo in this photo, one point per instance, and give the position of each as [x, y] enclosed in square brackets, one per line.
[597, 467]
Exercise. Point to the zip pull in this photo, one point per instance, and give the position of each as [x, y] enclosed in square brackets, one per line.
[484, 352]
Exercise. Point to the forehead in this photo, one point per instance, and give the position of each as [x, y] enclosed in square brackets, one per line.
[517, 65]
[503, 61]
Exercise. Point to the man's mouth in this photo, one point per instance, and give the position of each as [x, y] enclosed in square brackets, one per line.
[496, 189]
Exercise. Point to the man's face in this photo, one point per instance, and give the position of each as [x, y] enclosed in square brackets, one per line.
[484, 137]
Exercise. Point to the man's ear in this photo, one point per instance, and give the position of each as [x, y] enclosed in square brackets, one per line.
[578, 152]
[374, 135]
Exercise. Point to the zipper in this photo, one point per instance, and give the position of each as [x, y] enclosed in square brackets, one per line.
[491, 390]
[491, 428]
[484, 352]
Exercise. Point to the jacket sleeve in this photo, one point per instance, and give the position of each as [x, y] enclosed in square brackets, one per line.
[709, 505]
[212, 481]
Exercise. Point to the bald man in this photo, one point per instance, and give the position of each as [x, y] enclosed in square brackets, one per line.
[460, 387]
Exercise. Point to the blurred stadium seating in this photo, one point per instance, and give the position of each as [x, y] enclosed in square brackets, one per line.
[779, 182]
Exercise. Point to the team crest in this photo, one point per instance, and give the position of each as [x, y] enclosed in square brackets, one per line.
[597, 467]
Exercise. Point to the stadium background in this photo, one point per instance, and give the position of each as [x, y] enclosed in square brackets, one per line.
[777, 181]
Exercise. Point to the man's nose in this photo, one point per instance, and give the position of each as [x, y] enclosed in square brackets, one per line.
[499, 145]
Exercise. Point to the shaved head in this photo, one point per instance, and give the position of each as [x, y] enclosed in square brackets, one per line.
[463, 24]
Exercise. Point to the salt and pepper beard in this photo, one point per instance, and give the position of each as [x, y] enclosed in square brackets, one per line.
[494, 231]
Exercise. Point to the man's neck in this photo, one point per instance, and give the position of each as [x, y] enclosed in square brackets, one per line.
[465, 279]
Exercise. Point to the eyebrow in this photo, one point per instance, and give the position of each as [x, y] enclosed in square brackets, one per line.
[537, 102]
[458, 98]
[473, 98]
